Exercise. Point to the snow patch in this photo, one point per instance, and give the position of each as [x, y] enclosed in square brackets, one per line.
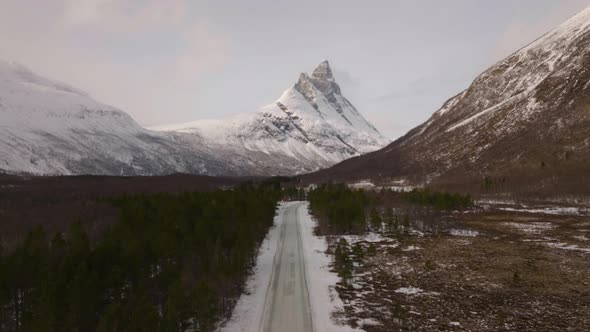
[364, 184]
[532, 227]
[463, 232]
[320, 280]
[411, 248]
[552, 210]
[409, 290]
[370, 237]
[565, 246]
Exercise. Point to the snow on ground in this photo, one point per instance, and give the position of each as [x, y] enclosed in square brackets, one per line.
[411, 248]
[409, 290]
[365, 184]
[368, 322]
[369, 237]
[401, 189]
[495, 201]
[320, 280]
[565, 246]
[249, 309]
[531, 228]
[553, 210]
[402, 185]
[368, 185]
[463, 232]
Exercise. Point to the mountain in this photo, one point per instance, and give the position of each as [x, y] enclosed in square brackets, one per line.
[524, 122]
[48, 127]
[311, 126]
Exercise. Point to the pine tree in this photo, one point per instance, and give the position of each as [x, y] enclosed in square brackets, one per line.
[375, 219]
[389, 220]
[406, 223]
[111, 319]
[144, 317]
[176, 309]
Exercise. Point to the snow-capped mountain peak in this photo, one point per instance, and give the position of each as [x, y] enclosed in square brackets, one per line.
[310, 126]
[12, 71]
[49, 127]
[323, 72]
[324, 95]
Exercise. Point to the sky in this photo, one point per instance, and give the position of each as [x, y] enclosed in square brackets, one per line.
[174, 61]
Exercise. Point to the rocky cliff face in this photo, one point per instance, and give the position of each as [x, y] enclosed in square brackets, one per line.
[529, 114]
[311, 126]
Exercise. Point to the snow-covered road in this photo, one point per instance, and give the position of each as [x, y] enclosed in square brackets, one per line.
[287, 306]
[292, 288]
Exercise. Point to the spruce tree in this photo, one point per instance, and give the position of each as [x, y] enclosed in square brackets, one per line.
[375, 219]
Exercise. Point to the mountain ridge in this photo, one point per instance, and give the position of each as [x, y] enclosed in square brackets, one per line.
[525, 117]
[49, 127]
[311, 126]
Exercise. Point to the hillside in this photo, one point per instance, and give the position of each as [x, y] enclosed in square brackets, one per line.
[522, 125]
[50, 128]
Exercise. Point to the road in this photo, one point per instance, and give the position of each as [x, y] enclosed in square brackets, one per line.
[286, 305]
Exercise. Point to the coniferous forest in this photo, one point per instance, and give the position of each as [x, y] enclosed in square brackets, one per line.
[344, 210]
[340, 209]
[171, 262]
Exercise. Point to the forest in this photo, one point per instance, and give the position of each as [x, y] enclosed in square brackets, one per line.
[171, 262]
[344, 210]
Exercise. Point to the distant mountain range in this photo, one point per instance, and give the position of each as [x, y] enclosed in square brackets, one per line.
[47, 127]
[311, 126]
[523, 122]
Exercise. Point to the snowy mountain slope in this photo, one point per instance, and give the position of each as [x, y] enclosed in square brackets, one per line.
[529, 114]
[310, 126]
[47, 127]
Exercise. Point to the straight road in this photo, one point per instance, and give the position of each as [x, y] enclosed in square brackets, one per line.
[286, 306]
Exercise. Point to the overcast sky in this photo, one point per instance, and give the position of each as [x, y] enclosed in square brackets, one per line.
[171, 61]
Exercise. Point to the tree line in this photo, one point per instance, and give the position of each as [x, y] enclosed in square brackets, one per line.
[340, 209]
[171, 262]
[438, 200]
[344, 210]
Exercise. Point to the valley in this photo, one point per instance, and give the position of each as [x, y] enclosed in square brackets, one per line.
[477, 269]
[300, 215]
[350, 259]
